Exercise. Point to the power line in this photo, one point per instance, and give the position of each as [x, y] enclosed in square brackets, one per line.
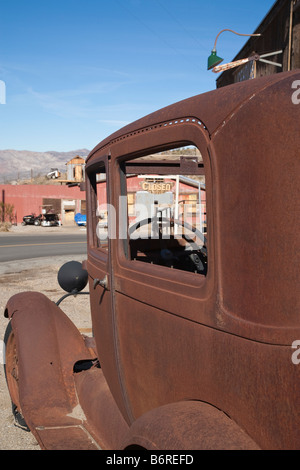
[181, 25]
[153, 32]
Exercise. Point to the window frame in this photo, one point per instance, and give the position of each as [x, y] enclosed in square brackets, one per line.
[156, 138]
[183, 166]
[92, 170]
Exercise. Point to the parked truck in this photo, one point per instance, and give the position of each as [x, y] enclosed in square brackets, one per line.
[53, 174]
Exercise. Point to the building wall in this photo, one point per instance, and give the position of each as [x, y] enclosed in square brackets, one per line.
[28, 199]
[67, 201]
[275, 33]
[75, 169]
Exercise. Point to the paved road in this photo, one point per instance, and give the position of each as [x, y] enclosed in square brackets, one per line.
[22, 246]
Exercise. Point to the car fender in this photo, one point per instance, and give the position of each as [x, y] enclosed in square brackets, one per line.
[187, 425]
[48, 345]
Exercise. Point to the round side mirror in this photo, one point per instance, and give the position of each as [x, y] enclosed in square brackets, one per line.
[72, 277]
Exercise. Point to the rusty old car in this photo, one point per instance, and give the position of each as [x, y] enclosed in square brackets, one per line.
[193, 273]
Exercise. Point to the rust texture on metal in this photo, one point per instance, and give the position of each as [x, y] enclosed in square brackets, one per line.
[47, 346]
[179, 425]
[186, 362]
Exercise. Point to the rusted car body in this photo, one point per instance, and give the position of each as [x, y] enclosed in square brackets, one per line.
[181, 357]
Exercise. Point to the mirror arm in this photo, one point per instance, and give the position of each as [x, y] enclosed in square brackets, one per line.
[74, 293]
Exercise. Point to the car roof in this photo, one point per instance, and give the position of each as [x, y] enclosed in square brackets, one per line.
[211, 108]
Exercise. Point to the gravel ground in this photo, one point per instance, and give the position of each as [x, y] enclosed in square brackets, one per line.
[38, 275]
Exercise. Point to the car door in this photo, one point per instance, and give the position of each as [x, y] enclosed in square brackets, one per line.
[100, 225]
[161, 289]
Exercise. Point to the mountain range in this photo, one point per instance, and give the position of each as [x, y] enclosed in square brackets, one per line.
[15, 164]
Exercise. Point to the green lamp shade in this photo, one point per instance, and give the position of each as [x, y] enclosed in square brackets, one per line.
[213, 60]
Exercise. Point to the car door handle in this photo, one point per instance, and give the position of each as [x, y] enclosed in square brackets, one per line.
[101, 282]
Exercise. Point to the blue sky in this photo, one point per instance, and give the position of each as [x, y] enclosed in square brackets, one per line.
[77, 70]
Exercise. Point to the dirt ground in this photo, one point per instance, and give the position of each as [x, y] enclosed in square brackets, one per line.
[38, 275]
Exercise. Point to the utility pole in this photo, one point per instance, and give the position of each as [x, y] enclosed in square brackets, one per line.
[3, 205]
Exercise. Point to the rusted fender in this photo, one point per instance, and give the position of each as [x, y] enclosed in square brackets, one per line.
[104, 418]
[48, 345]
[187, 425]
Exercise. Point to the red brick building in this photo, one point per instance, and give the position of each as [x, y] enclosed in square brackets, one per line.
[31, 198]
[68, 201]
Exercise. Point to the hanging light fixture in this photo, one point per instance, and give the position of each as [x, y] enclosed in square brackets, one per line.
[213, 59]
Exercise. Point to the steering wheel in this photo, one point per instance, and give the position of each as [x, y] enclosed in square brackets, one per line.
[198, 253]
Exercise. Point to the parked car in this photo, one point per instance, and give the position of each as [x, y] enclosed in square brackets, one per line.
[80, 219]
[32, 219]
[50, 220]
[194, 287]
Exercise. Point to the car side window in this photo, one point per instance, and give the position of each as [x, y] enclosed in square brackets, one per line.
[166, 209]
[99, 206]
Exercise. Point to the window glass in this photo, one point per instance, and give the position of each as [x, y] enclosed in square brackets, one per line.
[166, 210]
[99, 208]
